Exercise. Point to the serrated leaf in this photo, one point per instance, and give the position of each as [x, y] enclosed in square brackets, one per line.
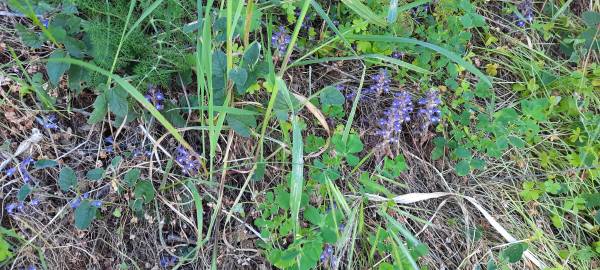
[331, 96]
[30, 38]
[100, 110]
[45, 163]
[56, 69]
[242, 124]
[462, 168]
[67, 179]
[24, 191]
[117, 101]
[95, 174]
[313, 215]
[84, 215]
[132, 176]
[251, 54]
[144, 190]
[239, 76]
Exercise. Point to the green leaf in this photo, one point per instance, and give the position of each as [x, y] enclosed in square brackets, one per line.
[132, 176]
[30, 38]
[67, 179]
[313, 215]
[239, 76]
[100, 110]
[591, 18]
[95, 174]
[144, 190]
[251, 54]
[45, 163]
[84, 215]
[5, 252]
[56, 69]
[462, 168]
[354, 144]
[242, 124]
[331, 96]
[24, 191]
[365, 12]
[117, 101]
[514, 252]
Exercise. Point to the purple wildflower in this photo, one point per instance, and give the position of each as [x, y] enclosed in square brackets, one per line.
[10, 208]
[11, 171]
[327, 252]
[281, 40]
[398, 114]
[525, 8]
[155, 96]
[75, 203]
[398, 55]
[110, 142]
[45, 22]
[96, 203]
[187, 161]
[381, 83]
[23, 169]
[31, 267]
[430, 113]
[49, 122]
[166, 261]
[34, 202]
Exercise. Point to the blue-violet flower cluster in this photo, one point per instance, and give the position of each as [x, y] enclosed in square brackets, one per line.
[398, 113]
[187, 161]
[155, 97]
[381, 83]
[430, 111]
[281, 40]
[526, 9]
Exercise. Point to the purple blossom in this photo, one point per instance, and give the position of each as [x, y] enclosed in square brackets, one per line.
[96, 203]
[110, 142]
[525, 8]
[10, 208]
[48, 122]
[327, 252]
[45, 22]
[398, 55]
[166, 261]
[281, 40]
[187, 161]
[34, 202]
[32, 267]
[155, 96]
[75, 203]
[11, 171]
[381, 83]
[397, 114]
[23, 169]
[429, 111]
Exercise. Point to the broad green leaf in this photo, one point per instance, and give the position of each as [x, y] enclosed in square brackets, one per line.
[100, 110]
[56, 69]
[242, 124]
[45, 163]
[239, 76]
[132, 176]
[514, 252]
[67, 178]
[95, 174]
[462, 168]
[251, 54]
[29, 38]
[117, 101]
[24, 191]
[84, 215]
[331, 96]
[144, 190]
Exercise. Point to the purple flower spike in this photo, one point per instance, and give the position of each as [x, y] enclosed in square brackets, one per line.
[49, 122]
[155, 96]
[187, 161]
[398, 114]
[75, 203]
[166, 261]
[10, 209]
[281, 40]
[381, 83]
[327, 252]
[526, 9]
[398, 55]
[11, 171]
[429, 111]
[23, 169]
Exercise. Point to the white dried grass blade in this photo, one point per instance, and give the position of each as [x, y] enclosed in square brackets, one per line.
[417, 197]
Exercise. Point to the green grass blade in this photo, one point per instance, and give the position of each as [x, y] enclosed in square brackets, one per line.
[365, 12]
[145, 14]
[412, 5]
[393, 11]
[451, 55]
[331, 25]
[294, 37]
[407, 256]
[384, 58]
[139, 97]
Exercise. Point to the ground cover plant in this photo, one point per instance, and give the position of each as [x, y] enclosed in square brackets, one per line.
[309, 134]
